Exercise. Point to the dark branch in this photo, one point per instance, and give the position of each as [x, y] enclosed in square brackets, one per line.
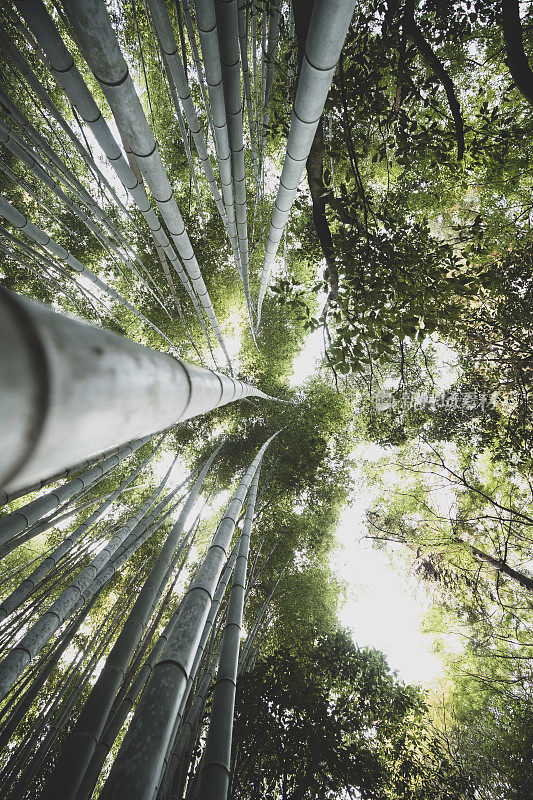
[424, 48]
[516, 60]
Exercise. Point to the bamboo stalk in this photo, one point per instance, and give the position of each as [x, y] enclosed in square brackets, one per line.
[269, 57]
[215, 773]
[69, 78]
[327, 31]
[30, 581]
[227, 27]
[8, 139]
[10, 51]
[16, 522]
[41, 631]
[69, 390]
[137, 768]
[93, 28]
[179, 80]
[243, 45]
[77, 753]
[35, 234]
[213, 75]
[169, 763]
[133, 688]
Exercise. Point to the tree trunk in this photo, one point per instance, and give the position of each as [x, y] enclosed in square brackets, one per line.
[517, 62]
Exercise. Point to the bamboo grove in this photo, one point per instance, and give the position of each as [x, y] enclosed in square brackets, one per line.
[189, 189]
[123, 619]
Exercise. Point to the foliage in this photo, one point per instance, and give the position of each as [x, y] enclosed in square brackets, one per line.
[428, 203]
[332, 720]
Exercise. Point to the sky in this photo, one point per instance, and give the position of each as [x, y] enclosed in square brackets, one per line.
[384, 605]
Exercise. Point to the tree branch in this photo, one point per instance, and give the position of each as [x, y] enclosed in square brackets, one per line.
[435, 64]
[516, 60]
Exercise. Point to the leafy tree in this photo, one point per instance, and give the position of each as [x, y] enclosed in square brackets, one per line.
[332, 720]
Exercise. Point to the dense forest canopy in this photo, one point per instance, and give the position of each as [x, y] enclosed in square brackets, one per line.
[218, 181]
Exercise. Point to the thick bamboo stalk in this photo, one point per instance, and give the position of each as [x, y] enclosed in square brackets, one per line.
[102, 52]
[188, 735]
[327, 31]
[136, 770]
[170, 762]
[174, 570]
[117, 718]
[68, 390]
[215, 773]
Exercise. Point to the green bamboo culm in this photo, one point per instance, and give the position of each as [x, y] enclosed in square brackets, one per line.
[216, 762]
